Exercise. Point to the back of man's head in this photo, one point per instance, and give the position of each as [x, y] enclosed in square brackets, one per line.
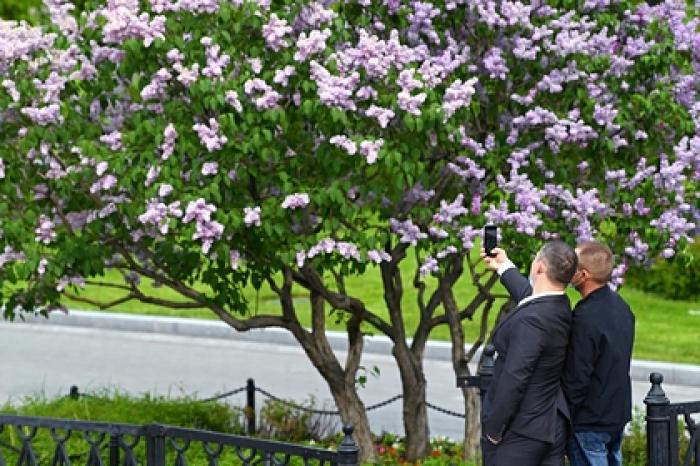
[597, 259]
[561, 261]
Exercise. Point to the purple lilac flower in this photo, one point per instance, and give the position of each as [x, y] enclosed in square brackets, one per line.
[345, 143]
[216, 62]
[408, 232]
[378, 256]
[370, 150]
[208, 135]
[496, 64]
[383, 115]
[366, 93]
[282, 76]
[430, 265]
[235, 258]
[45, 232]
[334, 91]
[232, 99]
[312, 44]
[103, 184]
[164, 190]
[10, 255]
[113, 140]
[252, 216]
[157, 88]
[449, 211]
[269, 98]
[65, 281]
[169, 138]
[187, 76]
[210, 168]
[296, 201]
[2, 169]
[274, 32]
[457, 96]
[44, 116]
[151, 175]
[411, 103]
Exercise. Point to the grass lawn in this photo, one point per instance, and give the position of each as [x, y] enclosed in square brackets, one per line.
[666, 330]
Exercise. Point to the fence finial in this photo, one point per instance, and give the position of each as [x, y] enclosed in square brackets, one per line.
[348, 450]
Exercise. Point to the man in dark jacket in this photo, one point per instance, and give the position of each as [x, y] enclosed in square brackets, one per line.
[524, 416]
[596, 378]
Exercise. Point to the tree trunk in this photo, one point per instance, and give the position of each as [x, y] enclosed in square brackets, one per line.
[415, 410]
[472, 423]
[352, 410]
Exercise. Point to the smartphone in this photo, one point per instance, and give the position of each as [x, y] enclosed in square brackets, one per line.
[490, 239]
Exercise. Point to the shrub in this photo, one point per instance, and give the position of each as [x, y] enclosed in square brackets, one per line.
[281, 420]
[674, 278]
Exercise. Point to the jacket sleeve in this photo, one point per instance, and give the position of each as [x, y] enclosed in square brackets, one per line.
[524, 349]
[517, 285]
[581, 357]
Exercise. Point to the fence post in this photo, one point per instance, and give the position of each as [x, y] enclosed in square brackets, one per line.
[250, 407]
[348, 451]
[155, 445]
[114, 450]
[658, 423]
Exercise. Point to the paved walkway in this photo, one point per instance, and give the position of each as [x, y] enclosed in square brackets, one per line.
[49, 359]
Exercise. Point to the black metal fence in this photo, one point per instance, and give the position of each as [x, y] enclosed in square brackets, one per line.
[662, 418]
[102, 444]
[663, 446]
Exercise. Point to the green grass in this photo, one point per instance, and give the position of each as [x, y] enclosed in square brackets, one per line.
[666, 330]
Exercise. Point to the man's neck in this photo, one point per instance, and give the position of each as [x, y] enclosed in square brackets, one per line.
[543, 286]
[589, 287]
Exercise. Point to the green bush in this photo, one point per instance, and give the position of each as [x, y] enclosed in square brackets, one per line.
[280, 420]
[675, 278]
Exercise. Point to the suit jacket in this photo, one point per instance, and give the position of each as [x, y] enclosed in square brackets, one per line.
[525, 393]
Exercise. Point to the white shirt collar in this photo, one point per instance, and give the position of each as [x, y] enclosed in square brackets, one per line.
[540, 295]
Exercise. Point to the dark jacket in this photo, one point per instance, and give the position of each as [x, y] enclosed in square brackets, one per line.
[525, 392]
[597, 376]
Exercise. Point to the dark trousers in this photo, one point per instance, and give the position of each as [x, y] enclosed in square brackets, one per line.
[517, 450]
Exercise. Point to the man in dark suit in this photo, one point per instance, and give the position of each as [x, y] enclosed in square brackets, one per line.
[596, 378]
[524, 416]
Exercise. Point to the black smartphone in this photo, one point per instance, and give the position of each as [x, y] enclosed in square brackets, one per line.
[490, 239]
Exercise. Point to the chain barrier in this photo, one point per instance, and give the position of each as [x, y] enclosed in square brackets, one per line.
[75, 394]
[223, 395]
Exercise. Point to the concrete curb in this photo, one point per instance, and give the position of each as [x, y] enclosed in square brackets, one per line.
[674, 373]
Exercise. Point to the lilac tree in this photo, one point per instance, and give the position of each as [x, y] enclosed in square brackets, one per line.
[210, 145]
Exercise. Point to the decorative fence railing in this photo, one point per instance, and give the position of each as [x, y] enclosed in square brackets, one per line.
[662, 418]
[59, 442]
[663, 446]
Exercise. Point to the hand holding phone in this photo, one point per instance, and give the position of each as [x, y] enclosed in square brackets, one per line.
[490, 239]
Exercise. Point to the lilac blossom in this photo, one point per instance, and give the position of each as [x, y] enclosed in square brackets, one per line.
[274, 32]
[409, 233]
[105, 183]
[210, 168]
[169, 138]
[458, 95]
[10, 255]
[296, 201]
[378, 256]
[411, 103]
[151, 175]
[44, 116]
[164, 190]
[430, 265]
[251, 216]
[234, 256]
[208, 135]
[345, 143]
[370, 150]
[334, 91]
[450, 211]
[495, 64]
[45, 231]
[113, 140]
[267, 97]
[282, 76]
[231, 98]
[311, 44]
[66, 281]
[383, 115]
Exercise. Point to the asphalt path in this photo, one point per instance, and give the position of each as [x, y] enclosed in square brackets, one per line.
[49, 359]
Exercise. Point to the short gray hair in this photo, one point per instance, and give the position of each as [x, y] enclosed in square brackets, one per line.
[560, 259]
